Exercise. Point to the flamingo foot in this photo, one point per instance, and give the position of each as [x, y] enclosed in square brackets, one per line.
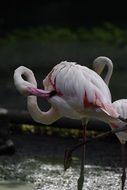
[68, 155]
[67, 158]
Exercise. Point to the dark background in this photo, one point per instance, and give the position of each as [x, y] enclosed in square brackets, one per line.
[42, 56]
[67, 13]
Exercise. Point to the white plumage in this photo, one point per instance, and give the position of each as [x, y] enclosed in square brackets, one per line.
[80, 93]
[119, 105]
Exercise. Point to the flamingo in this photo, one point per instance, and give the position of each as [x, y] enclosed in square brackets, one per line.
[74, 91]
[120, 106]
[78, 93]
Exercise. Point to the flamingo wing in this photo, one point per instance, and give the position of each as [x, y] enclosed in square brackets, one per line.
[80, 87]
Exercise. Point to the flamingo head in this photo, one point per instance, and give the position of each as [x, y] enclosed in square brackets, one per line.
[99, 64]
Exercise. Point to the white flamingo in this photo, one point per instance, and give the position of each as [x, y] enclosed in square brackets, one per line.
[80, 93]
[120, 106]
[73, 91]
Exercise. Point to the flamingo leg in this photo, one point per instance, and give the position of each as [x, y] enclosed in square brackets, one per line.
[123, 178]
[81, 177]
[69, 151]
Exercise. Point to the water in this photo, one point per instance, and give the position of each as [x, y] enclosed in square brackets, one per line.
[53, 177]
[14, 185]
[39, 161]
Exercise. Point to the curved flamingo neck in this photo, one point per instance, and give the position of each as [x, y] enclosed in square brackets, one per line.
[22, 86]
[109, 73]
[99, 65]
[20, 83]
[47, 117]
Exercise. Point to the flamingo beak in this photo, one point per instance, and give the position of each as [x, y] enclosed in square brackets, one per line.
[39, 92]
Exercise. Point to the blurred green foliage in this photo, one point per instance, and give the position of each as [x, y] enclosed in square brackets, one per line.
[51, 130]
[108, 33]
[41, 48]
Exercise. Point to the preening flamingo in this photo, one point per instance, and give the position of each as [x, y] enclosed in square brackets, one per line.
[79, 93]
[120, 106]
[74, 91]
[28, 87]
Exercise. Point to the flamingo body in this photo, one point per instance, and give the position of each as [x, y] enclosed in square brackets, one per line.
[80, 93]
[119, 105]
[73, 91]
